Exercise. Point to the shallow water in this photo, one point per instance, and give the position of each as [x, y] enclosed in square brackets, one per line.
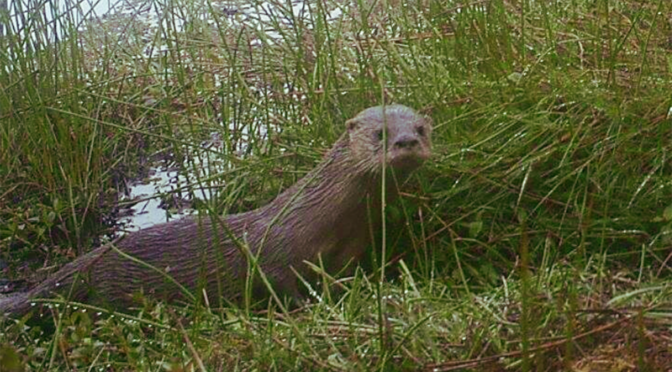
[137, 22]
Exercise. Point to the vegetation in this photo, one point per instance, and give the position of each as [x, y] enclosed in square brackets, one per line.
[539, 236]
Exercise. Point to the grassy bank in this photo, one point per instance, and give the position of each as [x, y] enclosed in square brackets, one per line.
[538, 237]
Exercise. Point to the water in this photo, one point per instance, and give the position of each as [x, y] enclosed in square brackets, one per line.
[138, 22]
[53, 18]
[149, 210]
[171, 183]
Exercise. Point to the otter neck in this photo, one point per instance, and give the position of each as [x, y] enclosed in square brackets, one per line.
[341, 185]
[339, 196]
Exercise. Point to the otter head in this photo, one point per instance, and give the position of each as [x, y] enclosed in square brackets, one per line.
[393, 134]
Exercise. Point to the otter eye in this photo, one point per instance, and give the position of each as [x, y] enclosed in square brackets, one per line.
[420, 131]
[379, 134]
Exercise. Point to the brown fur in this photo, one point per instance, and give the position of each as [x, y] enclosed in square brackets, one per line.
[323, 215]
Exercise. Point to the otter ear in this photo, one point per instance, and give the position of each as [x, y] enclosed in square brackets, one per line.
[428, 122]
[352, 125]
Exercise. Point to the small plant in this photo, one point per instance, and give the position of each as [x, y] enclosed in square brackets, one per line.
[538, 236]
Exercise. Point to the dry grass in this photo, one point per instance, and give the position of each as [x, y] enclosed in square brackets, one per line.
[538, 238]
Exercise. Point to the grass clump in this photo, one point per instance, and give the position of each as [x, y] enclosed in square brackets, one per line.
[538, 237]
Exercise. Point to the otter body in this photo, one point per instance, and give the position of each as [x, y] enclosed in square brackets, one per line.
[324, 215]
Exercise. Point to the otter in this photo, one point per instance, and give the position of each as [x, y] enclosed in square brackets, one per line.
[328, 215]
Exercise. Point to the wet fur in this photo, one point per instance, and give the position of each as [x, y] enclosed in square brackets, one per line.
[323, 215]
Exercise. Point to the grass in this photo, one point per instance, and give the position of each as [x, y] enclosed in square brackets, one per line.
[537, 238]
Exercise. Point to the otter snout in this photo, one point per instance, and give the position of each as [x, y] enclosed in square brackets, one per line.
[406, 151]
[406, 141]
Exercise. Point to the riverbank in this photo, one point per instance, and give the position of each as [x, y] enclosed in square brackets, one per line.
[538, 237]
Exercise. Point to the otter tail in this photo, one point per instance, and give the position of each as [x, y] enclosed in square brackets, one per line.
[70, 282]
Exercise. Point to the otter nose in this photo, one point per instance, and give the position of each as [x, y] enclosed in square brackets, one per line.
[406, 141]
